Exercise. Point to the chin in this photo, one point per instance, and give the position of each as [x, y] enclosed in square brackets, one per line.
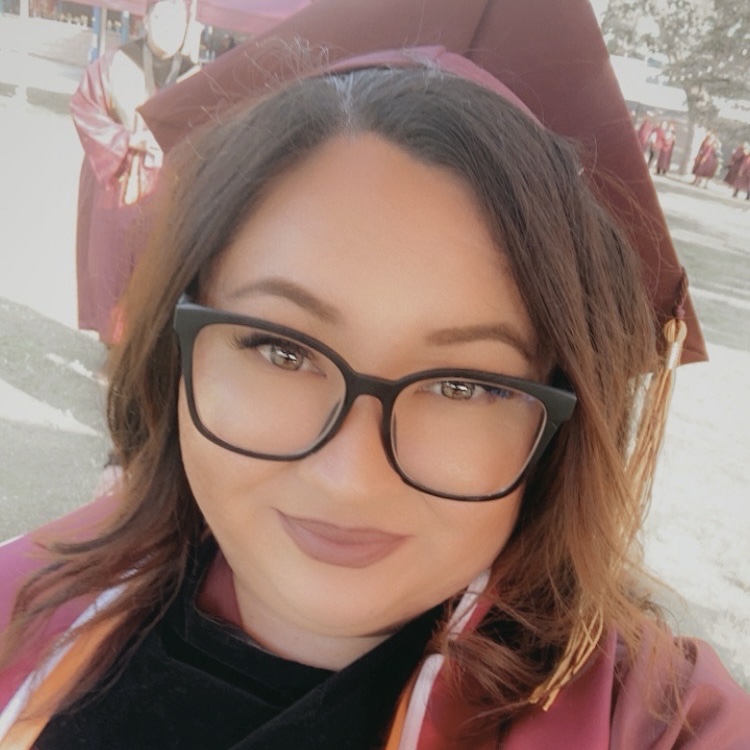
[355, 609]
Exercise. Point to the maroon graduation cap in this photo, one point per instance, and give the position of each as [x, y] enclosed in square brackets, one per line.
[551, 55]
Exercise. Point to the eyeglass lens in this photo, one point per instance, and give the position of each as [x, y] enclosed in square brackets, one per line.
[264, 393]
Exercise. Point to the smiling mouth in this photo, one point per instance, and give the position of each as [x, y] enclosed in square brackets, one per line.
[334, 545]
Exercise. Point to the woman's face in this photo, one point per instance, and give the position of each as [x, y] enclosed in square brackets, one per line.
[389, 262]
[165, 25]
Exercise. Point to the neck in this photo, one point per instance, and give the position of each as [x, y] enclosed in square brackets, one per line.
[221, 595]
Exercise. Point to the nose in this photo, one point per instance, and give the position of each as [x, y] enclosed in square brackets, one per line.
[354, 462]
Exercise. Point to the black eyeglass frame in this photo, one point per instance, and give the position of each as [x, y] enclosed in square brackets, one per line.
[190, 318]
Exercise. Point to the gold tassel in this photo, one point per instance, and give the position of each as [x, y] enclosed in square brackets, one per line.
[653, 418]
[641, 464]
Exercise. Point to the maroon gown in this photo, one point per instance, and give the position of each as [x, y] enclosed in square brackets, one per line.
[707, 159]
[664, 159]
[738, 170]
[114, 178]
[602, 709]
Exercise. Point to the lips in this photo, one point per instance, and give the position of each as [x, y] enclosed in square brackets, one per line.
[334, 545]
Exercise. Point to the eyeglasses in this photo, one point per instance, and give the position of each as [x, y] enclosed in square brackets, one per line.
[270, 392]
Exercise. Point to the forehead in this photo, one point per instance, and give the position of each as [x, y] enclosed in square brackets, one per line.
[362, 190]
[167, 11]
[381, 236]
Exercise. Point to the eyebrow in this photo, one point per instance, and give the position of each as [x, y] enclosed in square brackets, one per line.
[293, 292]
[502, 332]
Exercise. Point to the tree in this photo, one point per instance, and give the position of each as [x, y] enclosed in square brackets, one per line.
[706, 44]
[726, 48]
[628, 27]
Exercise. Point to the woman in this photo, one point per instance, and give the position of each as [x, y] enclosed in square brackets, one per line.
[706, 161]
[738, 170]
[122, 158]
[666, 148]
[376, 444]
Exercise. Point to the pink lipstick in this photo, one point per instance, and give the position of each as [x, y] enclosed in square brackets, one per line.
[334, 545]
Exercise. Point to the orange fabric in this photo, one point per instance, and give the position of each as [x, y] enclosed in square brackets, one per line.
[399, 720]
[24, 556]
[59, 681]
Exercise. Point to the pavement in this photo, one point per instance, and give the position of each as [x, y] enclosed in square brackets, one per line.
[53, 440]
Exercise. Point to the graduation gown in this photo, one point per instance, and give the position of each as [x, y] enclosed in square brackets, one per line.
[197, 676]
[706, 160]
[199, 682]
[114, 179]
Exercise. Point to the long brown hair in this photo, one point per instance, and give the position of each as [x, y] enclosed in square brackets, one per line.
[572, 555]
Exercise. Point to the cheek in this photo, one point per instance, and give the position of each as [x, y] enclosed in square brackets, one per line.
[493, 535]
[478, 533]
[221, 481]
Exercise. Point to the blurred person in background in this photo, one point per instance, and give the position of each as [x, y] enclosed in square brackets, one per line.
[738, 170]
[121, 158]
[644, 132]
[655, 140]
[666, 147]
[706, 160]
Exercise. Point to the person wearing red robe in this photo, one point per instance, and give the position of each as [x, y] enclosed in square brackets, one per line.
[599, 710]
[195, 669]
[706, 160]
[644, 132]
[666, 147]
[655, 143]
[738, 170]
[121, 159]
[743, 178]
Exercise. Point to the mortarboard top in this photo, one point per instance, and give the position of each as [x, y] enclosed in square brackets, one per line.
[551, 55]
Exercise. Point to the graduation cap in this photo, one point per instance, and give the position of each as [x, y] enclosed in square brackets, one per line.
[550, 55]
